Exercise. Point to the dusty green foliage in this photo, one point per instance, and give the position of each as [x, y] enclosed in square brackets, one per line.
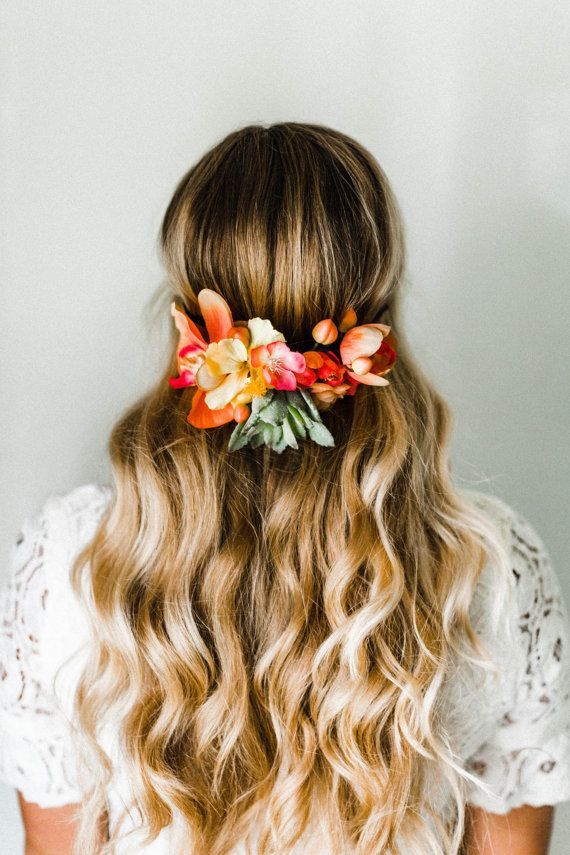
[278, 419]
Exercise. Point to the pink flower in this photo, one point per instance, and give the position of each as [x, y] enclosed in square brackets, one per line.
[279, 364]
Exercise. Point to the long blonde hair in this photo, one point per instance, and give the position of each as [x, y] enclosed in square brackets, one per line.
[271, 631]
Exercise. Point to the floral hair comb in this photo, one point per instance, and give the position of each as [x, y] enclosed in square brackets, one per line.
[245, 372]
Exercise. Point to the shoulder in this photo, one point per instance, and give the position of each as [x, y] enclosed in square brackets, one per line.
[37, 591]
[536, 588]
[524, 755]
[64, 523]
[67, 520]
[42, 551]
[41, 628]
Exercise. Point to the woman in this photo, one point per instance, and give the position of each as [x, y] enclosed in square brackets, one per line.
[283, 626]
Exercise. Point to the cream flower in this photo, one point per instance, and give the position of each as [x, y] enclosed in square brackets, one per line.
[262, 332]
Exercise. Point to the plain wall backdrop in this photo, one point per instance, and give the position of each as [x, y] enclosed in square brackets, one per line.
[105, 105]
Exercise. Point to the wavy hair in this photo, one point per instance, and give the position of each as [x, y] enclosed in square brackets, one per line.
[271, 633]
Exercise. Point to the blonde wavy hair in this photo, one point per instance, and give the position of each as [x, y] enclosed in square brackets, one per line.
[273, 632]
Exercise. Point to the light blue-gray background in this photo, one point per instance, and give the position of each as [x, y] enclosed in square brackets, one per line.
[105, 105]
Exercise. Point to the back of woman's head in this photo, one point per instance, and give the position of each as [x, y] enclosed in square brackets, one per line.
[291, 222]
[273, 629]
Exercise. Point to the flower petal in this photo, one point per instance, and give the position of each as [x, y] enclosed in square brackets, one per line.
[259, 356]
[284, 379]
[278, 349]
[226, 355]
[201, 416]
[189, 332]
[216, 313]
[385, 357]
[313, 359]
[239, 332]
[369, 379]
[384, 328]
[190, 349]
[360, 341]
[294, 361]
[262, 332]
[306, 377]
[208, 379]
[186, 378]
[225, 391]
[325, 332]
[348, 320]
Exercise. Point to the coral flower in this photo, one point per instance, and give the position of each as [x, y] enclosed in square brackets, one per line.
[361, 342]
[279, 364]
[385, 357]
[348, 320]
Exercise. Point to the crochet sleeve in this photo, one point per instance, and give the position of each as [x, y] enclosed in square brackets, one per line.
[36, 755]
[527, 758]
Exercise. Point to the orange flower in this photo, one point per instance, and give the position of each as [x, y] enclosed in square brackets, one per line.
[191, 353]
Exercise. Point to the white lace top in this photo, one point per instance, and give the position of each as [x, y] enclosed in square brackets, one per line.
[515, 738]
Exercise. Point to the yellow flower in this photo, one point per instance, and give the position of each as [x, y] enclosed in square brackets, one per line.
[255, 386]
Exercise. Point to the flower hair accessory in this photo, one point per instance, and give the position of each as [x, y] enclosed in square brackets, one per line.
[244, 371]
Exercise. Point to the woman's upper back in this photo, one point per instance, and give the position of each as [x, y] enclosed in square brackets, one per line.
[515, 737]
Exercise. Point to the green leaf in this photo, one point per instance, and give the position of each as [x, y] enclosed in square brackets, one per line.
[258, 405]
[256, 440]
[261, 401]
[238, 439]
[269, 431]
[297, 400]
[277, 419]
[320, 433]
[288, 435]
[310, 404]
[296, 422]
[276, 411]
[280, 444]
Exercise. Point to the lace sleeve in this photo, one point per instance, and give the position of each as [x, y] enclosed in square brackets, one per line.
[527, 758]
[36, 756]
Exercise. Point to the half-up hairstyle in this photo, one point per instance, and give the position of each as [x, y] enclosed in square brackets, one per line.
[272, 631]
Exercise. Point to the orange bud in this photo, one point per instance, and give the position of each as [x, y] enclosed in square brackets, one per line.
[348, 320]
[239, 332]
[313, 359]
[325, 332]
[241, 413]
[361, 365]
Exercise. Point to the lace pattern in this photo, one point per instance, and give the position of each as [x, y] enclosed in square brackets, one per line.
[36, 748]
[527, 758]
